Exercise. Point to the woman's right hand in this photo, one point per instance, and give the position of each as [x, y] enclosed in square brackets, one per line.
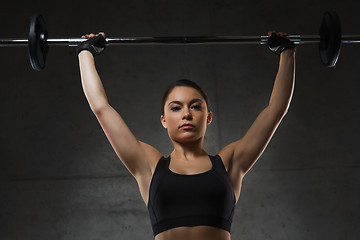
[277, 42]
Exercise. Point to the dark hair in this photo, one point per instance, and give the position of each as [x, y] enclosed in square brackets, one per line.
[186, 83]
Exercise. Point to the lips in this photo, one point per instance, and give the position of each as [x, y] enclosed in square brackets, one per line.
[187, 124]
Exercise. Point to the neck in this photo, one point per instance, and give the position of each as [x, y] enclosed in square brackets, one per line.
[188, 150]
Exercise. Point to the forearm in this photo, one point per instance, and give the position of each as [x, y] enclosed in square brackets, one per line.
[91, 82]
[284, 82]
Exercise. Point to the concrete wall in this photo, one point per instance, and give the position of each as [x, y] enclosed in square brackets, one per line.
[61, 179]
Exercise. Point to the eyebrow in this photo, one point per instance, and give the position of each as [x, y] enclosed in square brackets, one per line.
[191, 102]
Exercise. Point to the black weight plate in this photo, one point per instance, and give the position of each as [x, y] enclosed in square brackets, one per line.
[37, 37]
[330, 39]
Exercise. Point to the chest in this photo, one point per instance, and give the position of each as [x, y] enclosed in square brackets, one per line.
[191, 167]
[204, 192]
[195, 169]
[173, 195]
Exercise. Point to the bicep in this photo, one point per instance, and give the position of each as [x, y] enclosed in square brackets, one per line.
[129, 150]
[249, 149]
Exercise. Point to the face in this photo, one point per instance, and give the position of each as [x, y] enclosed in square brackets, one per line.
[185, 105]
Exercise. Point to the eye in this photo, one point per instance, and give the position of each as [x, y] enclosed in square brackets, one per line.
[196, 106]
[175, 108]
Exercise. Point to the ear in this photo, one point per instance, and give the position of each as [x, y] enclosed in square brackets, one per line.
[209, 117]
[163, 121]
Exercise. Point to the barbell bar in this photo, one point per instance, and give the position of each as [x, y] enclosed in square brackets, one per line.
[192, 40]
[329, 40]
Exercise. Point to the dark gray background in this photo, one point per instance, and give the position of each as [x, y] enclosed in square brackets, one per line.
[61, 179]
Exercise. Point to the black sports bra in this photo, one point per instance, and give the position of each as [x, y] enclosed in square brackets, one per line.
[177, 200]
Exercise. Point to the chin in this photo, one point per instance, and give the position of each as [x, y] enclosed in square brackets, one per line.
[186, 139]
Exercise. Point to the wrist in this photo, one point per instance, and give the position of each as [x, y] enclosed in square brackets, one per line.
[85, 54]
[287, 53]
[287, 58]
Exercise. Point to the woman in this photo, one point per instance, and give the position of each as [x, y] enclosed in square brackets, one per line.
[190, 194]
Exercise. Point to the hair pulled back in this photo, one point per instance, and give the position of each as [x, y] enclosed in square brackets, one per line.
[183, 83]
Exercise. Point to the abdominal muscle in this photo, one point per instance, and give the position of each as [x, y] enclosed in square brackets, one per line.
[194, 233]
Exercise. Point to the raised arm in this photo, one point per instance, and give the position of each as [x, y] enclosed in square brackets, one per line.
[243, 153]
[284, 83]
[91, 82]
[134, 154]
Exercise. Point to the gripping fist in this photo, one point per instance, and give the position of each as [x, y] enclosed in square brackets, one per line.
[95, 44]
[278, 42]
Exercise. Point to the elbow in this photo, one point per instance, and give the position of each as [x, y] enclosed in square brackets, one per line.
[98, 110]
[284, 111]
[281, 111]
[97, 105]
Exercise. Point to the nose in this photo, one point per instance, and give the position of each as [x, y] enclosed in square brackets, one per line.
[187, 114]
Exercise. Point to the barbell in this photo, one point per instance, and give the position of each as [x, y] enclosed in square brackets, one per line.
[329, 39]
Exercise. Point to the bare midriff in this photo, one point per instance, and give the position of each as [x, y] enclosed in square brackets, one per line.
[194, 233]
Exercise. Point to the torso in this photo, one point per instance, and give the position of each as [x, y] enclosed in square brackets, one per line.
[189, 168]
